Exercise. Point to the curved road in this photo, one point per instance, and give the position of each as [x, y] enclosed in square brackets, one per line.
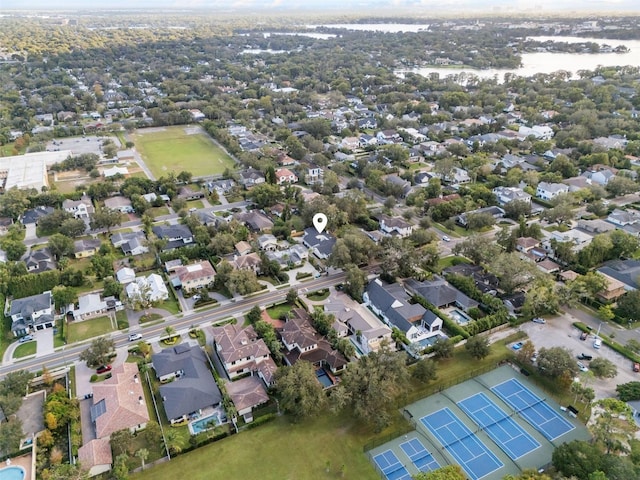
[70, 354]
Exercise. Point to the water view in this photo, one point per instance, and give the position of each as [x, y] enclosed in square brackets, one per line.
[377, 27]
[546, 62]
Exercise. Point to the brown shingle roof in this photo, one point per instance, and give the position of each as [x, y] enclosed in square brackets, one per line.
[247, 392]
[195, 271]
[234, 343]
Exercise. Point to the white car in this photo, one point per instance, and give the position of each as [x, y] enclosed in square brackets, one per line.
[445, 238]
[135, 336]
[539, 320]
[582, 367]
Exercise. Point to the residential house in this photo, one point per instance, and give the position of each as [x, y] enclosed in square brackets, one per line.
[251, 177]
[86, 247]
[38, 261]
[403, 185]
[241, 351]
[151, 288]
[115, 170]
[312, 173]
[221, 186]
[251, 261]
[548, 266]
[255, 220]
[595, 226]
[284, 175]
[526, 244]
[388, 137]
[302, 342]
[122, 204]
[191, 386]
[485, 282]
[350, 143]
[391, 303]
[548, 191]
[514, 303]
[440, 293]
[578, 239]
[365, 329]
[540, 132]
[131, 243]
[395, 226]
[194, 276]
[577, 183]
[125, 275]
[458, 176]
[367, 141]
[35, 214]
[600, 174]
[321, 244]
[82, 208]
[5, 224]
[176, 236]
[95, 456]
[31, 313]
[268, 242]
[294, 256]
[187, 193]
[613, 289]
[622, 218]
[118, 402]
[625, 271]
[496, 212]
[247, 394]
[91, 305]
[243, 248]
[509, 194]
[611, 142]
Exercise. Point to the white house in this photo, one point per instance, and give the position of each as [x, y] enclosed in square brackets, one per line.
[284, 175]
[395, 226]
[125, 275]
[82, 208]
[151, 288]
[509, 194]
[547, 191]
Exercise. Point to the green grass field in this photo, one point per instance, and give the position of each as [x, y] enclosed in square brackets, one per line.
[172, 149]
[25, 350]
[85, 329]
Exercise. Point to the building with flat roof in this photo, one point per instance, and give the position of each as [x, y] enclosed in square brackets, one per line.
[28, 170]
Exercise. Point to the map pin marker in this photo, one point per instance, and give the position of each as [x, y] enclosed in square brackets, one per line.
[320, 221]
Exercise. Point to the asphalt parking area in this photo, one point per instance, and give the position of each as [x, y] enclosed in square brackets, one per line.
[560, 332]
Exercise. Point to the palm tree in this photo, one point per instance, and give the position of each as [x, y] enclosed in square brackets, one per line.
[142, 454]
[170, 331]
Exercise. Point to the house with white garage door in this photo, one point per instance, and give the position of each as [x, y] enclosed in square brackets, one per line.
[31, 313]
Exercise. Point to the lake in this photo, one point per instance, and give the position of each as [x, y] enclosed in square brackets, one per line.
[376, 27]
[545, 62]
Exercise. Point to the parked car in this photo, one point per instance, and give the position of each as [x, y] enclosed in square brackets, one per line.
[445, 238]
[584, 335]
[582, 367]
[103, 369]
[196, 297]
[597, 343]
[584, 356]
[539, 320]
[636, 367]
[135, 336]
[517, 346]
[26, 338]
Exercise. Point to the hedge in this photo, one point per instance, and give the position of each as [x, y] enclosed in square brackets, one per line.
[634, 357]
[261, 420]
[449, 324]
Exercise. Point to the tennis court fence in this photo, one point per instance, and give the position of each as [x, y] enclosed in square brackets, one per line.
[376, 442]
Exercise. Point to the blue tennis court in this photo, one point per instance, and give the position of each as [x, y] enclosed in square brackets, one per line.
[420, 456]
[390, 466]
[470, 453]
[500, 427]
[533, 409]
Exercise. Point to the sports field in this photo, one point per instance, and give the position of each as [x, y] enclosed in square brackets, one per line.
[181, 148]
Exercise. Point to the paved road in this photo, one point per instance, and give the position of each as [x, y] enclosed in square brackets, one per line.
[68, 355]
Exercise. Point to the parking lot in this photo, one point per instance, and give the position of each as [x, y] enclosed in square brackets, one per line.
[79, 145]
[560, 332]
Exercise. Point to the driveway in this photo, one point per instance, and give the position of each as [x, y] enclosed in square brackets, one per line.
[83, 373]
[45, 341]
[559, 332]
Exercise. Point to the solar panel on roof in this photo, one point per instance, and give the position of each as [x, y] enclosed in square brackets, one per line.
[98, 409]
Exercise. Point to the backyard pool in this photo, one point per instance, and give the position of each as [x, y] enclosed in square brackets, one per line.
[324, 378]
[426, 342]
[202, 424]
[12, 473]
[460, 317]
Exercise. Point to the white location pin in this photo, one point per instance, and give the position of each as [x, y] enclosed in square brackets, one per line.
[320, 221]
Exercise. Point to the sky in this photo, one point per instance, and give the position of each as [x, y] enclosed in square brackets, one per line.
[363, 6]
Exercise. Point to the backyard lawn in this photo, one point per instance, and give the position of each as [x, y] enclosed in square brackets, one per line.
[277, 311]
[279, 450]
[78, 331]
[173, 149]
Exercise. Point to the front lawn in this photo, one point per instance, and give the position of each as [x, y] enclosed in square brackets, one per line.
[318, 295]
[25, 350]
[79, 331]
[280, 310]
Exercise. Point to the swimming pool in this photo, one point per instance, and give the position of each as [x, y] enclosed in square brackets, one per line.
[203, 424]
[427, 342]
[460, 317]
[12, 473]
[324, 378]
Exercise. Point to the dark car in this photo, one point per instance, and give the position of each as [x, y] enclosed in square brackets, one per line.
[584, 335]
[103, 369]
[584, 356]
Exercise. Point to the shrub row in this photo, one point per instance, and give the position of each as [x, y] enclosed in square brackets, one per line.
[451, 326]
[261, 420]
[622, 350]
[487, 323]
